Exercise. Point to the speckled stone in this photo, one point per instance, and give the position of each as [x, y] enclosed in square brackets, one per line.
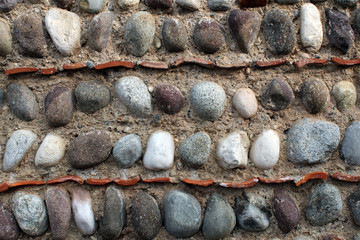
[353, 202]
[344, 93]
[64, 3]
[195, 150]
[219, 5]
[51, 151]
[6, 38]
[356, 22]
[7, 5]
[346, 3]
[93, 6]
[208, 36]
[100, 29]
[162, 4]
[350, 150]
[245, 102]
[127, 150]
[285, 210]
[126, 4]
[169, 98]
[9, 229]
[174, 35]
[92, 96]
[277, 95]
[314, 95]
[191, 5]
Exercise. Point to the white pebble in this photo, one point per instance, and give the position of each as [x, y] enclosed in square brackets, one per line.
[51, 151]
[245, 102]
[311, 31]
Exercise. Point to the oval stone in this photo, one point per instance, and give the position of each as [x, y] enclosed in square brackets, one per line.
[91, 96]
[7, 5]
[245, 102]
[191, 5]
[219, 5]
[315, 95]
[174, 35]
[195, 150]
[163, 4]
[6, 38]
[350, 150]
[208, 36]
[127, 150]
[51, 151]
[277, 95]
[100, 29]
[353, 202]
[93, 6]
[311, 31]
[169, 98]
[9, 229]
[285, 210]
[344, 93]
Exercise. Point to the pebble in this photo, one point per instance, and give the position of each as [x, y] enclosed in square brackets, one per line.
[30, 213]
[139, 33]
[169, 98]
[353, 202]
[22, 101]
[285, 210]
[59, 106]
[9, 229]
[208, 36]
[7, 5]
[17, 146]
[311, 31]
[245, 102]
[64, 28]
[264, 152]
[302, 237]
[324, 205]
[219, 5]
[145, 215]
[346, 3]
[315, 96]
[159, 153]
[195, 150]
[6, 38]
[339, 31]
[127, 151]
[91, 96]
[356, 22]
[350, 150]
[279, 32]
[245, 28]
[252, 212]
[174, 35]
[182, 214]
[344, 93]
[232, 150]
[311, 141]
[100, 29]
[92, 6]
[126, 4]
[51, 151]
[114, 217]
[163, 4]
[208, 100]
[219, 218]
[134, 94]
[58, 205]
[357, 236]
[90, 149]
[277, 95]
[82, 210]
[64, 3]
[191, 5]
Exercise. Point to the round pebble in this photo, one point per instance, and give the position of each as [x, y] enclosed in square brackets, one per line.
[6, 38]
[163, 4]
[314, 95]
[277, 95]
[126, 4]
[346, 3]
[344, 93]
[92, 6]
[51, 151]
[245, 102]
[100, 29]
[353, 202]
[285, 210]
[9, 229]
[219, 5]
[7, 5]
[168, 98]
[127, 150]
[174, 35]
[208, 36]
[191, 5]
[311, 31]
[91, 96]
[64, 3]
[350, 150]
[195, 150]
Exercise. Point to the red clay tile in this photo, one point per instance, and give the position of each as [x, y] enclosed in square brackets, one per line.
[249, 183]
[345, 177]
[273, 63]
[307, 61]
[125, 64]
[26, 183]
[276, 180]
[48, 71]
[4, 186]
[314, 175]
[12, 71]
[192, 60]
[74, 66]
[65, 179]
[159, 180]
[344, 62]
[126, 182]
[203, 183]
[231, 65]
[99, 182]
[154, 65]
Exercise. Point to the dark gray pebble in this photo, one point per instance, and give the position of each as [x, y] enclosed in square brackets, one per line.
[92, 96]
[219, 5]
[127, 150]
[346, 3]
[208, 36]
[356, 22]
[100, 29]
[163, 4]
[2, 97]
[195, 150]
[169, 98]
[174, 35]
[353, 202]
[285, 211]
[314, 95]
[7, 5]
[9, 229]
[277, 95]
[350, 150]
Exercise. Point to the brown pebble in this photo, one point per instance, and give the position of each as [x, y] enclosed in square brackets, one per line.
[315, 96]
[64, 3]
[208, 36]
[285, 210]
[168, 98]
[164, 4]
[9, 229]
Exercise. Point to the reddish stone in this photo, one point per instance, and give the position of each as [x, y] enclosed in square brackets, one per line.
[285, 210]
[169, 98]
[274, 63]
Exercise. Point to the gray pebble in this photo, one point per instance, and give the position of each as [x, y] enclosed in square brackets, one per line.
[100, 29]
[174, 35]
[9, 229]
[22, 101]
[127, 150]
[92, 96]
[346, 3]
[353, 202]
[208, 35]
[192, 5]
[350, 150]
[7, 5]
[356, 22]
[195, 150]
[344, 93]
[314, 95]
[92, 6]
[2, 97]
[219, 5]
[6, 38]
[357, 236]
[277, 95]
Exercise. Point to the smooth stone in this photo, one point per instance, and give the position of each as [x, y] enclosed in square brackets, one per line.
[315, 96]
[208, 100]
[64, 29]
[146, 215]
[356, 22]
[285, 211]
[126, 4]
[30, 213]
[114, 217]
[58, 206]
[195, 150]
[92, 6]
[287, 1]
[245, 102]
[219, 218]
[353, 202]
[324, 205]
[17, 146]
[174, 35]
[59, 106]
[163, 4]
[245, 28]
[208, 35]
[344, 93]
[350, 150]
[264, 152]
[312, 141]
[100, 29]
[51, 151]
[7, 5]
[28, 30]
[134, 94]
[219, 5]
[277, 95]
[311, 31]
[90, 149]
[252, 212]
[64, 3]
[191, 5]
[346, 3]
[2, 97]
[127, 151]
[91, 96]
[232, 150]
[279, 32]
[168, 98]
[6, 38]
[159, 153]
[182, 214]
[139, 33]
[9, 229]
[339, 31]
[22, 101]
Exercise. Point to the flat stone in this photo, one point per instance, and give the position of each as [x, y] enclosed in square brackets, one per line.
[163, 4]
[324, 205]
[350, 150]
[353, 202]
[182, 214]
[277, 95]
[208, 36]
[264, 152]
[29, 33]
[127, 151]
[93, 6]
[344, 93]
[6, 38]
[64, 29]
[51, 151]
[7, 5]
[17, 146]
[245, 102]
[100, 29]
[174, 35]
[356, 22]
[339, 31]
[195, 150]
[169, 98]
[114, 217]
[22, 101]
[126, 4]
[59, 106]
[9, 229]
[58, 206]
[311, 31]
[279, 32]
[346, 3]
[134, 94]
[159, 153]
[285, 210]
[91, 96]
[208, 100]
[219, 5]
[315, 96]
[219, 218]
[90, 149]
[145, 215]
[30, 213]
[245, 28]
[64, 3]
[139, 33]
